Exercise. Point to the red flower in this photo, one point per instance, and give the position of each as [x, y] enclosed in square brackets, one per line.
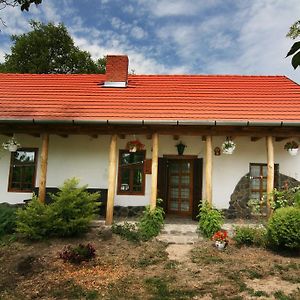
[220, 236]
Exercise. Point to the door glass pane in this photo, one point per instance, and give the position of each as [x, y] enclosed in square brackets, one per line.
[255, 171]
[185, 204]
[185, 179]
[255, 184]
[174, 167]
[265, 171]
[174, 204]
[255, 195]
[174, 193]
[185, 192]
[174, 180]
[24, 157]
[264, 182]
[185, 166]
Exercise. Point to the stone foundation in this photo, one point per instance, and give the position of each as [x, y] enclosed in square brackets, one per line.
[128, 211]
[238, 200]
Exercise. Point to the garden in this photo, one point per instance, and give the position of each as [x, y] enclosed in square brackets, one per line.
[52, 252]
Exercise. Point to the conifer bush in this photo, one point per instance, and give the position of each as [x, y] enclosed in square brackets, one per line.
[69, 213]
[7, 219]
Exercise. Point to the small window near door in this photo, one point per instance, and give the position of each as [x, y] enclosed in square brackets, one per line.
[258, 180]
[22, 170]
[131, 179]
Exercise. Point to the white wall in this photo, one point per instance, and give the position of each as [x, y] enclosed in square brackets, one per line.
[87, 158]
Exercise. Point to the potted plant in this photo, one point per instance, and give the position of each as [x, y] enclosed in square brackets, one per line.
[11, 145]
[221, 239]
[228, 146]
[180, 148]
[134, 146]
[292, 147]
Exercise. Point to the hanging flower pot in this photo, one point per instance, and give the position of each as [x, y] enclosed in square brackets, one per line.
[11, 145]
[292, 148]
[134, 146]
[180, 148]
[228, 146]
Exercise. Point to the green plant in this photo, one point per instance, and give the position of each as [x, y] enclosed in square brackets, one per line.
[291, 145]
[78, 254]
[210, 220]
[72, 209]
[33, 221]
[283, 229]
[248, 236]
[127, 231]
[7, 219]
[69, 214]
[286, 197]
[254, 205]
[151, 222]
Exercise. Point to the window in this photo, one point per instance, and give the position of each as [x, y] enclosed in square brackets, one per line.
[258, 180]
[22, 170]
[131, 179]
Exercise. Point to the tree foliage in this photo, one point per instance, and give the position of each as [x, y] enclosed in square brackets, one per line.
[24, 4]
[293, 33]
[48, 48]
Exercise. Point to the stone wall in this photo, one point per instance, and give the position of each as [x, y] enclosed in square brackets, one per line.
[239, 198]
[128, 211]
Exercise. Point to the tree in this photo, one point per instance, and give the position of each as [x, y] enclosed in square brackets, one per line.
[48, 49]
[293, 33]
[25, 4]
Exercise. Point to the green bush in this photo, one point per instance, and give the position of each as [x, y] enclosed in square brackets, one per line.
[283, 229]
[249, 236]
[7, 219]
[69, 214]
[78, 254]
[127, 231]
[287, 197]
[151, 222]
[210, 220]
[148, 226]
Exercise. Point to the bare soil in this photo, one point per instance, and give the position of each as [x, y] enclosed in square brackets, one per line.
[150, 270]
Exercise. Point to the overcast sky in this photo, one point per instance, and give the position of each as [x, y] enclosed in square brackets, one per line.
[174, 36]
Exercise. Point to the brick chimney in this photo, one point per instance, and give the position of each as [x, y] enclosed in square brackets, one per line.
[116, 71]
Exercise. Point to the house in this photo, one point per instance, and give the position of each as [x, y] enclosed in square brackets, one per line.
[84, 125]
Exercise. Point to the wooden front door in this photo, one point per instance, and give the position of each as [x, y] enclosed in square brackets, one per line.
[180, 187]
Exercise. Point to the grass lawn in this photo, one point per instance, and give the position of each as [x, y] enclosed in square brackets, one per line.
[125, 270]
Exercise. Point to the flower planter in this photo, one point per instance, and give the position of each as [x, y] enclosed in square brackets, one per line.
[220, 245]
[293, 151]
[132, 149]
[12, 148]
[228, 150]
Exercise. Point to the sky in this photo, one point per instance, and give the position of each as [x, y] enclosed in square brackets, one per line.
[245, 37]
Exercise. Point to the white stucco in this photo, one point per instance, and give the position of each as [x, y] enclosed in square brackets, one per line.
[87, 159]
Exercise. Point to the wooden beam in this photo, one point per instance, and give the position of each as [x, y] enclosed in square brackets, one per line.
[112, 172]
[154, 171]
[208, 170]
[270, 174]
[43, 167]
[281, 138]
[255, 138]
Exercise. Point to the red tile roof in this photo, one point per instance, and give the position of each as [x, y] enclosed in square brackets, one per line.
[149, 97]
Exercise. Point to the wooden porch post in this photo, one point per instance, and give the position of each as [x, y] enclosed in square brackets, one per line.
[43, 167]
[270, 174]
[154, 170]
[112, 171]
[208, 170]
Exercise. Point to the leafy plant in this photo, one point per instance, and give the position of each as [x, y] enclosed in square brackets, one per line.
[283, 229]
[78, 254]
[284, 198]
[127, 231]
[151, 222]
[291, 145]
[249, 236]
[7, 219]
[148, 226]
[210, 220]
[69, 214]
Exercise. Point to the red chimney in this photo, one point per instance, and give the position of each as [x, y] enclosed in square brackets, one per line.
[116, 71]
